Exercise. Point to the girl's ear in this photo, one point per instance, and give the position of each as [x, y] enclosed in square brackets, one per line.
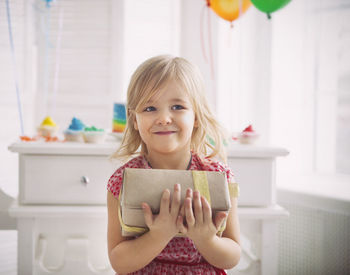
[195, 125]
[135, 124]
[132, 115]
[136, 127]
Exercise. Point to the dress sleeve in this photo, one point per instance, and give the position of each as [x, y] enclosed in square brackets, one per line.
[115, 182]
[232, 184]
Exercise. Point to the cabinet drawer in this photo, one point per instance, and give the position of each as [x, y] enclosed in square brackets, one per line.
[58, 179]
[256, 179]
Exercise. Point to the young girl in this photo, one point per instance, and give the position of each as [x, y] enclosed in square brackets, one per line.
[168, 116]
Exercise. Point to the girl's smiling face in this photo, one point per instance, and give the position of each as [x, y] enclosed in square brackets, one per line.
[166, 121]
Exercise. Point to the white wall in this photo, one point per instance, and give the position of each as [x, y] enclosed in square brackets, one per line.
[310, 110]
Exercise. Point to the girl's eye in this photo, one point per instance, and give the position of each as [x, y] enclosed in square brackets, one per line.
[149, 109]
[177, 107]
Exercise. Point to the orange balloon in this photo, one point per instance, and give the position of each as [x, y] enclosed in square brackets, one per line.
[229, 9]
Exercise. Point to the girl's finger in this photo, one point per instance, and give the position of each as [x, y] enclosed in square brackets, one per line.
[165, 202]
[220, 219]
[175, 203]
[207, 213]
[147, 213]
[198, 213]
[182, 210]
[189, 213]
[189, 193]
[180, 225]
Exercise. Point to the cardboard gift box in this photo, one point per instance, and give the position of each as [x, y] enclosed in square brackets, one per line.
[147, 185]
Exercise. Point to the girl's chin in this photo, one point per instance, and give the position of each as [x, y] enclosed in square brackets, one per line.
[165, 150]
[169, 148]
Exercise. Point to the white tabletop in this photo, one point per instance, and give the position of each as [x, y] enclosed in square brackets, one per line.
[107, 148]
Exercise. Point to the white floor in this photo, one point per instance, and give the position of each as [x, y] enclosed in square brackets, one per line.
[8, 252]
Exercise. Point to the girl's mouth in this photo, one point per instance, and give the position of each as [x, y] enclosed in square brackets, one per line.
[163, 133]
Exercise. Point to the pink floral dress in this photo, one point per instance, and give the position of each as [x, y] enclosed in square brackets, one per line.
[180, 256]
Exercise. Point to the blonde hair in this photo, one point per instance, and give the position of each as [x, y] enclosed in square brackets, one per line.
[147, 80]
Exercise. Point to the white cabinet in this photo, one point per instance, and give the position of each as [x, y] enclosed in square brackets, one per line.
[62, 217]
[61, 208]
[254, 170]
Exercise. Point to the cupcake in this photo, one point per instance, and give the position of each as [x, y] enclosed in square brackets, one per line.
[94, 135]
[247, 136]
[75, 131]
[47, 128]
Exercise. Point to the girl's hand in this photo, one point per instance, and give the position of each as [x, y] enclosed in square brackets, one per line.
[200, 226]
[164, 225]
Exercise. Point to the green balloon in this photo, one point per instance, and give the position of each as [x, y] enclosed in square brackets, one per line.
[269, 6]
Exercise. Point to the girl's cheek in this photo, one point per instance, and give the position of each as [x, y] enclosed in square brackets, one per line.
[189, 119]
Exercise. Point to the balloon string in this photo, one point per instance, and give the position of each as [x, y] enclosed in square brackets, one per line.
[202, 34]
[13, 57]
[229, 37]
[210, 49]
[57, 68]
[240, 9]
[46, 64]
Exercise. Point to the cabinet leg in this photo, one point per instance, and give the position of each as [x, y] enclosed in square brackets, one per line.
[269, 248]
[25, 227]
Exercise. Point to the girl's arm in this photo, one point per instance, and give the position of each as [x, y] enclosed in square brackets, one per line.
[127, 255]
[222, 252]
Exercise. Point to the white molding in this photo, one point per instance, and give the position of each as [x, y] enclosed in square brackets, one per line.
[191, 47]
[326, 98]
[117, 49]
[176, 26]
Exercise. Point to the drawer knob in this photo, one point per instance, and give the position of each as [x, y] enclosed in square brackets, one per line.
[84, 180]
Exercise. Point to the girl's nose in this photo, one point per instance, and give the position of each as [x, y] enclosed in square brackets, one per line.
[164, 118]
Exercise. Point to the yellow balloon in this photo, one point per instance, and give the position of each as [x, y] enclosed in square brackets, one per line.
[229, 9]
